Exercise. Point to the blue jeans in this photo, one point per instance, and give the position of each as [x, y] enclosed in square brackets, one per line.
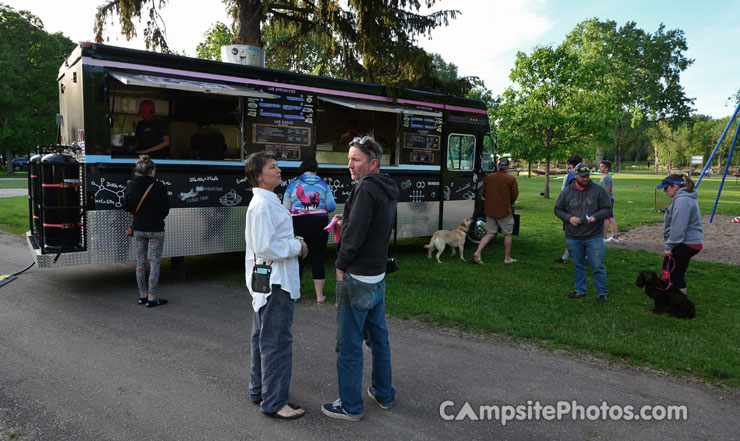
[361, 317]
[272, 353]
[593, 250]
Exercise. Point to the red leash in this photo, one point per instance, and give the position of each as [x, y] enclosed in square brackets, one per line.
[667, 270]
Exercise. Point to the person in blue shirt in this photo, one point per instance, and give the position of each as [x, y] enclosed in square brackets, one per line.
[310, 200]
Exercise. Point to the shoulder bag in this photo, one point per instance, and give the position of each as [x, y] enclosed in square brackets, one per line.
[130, 230]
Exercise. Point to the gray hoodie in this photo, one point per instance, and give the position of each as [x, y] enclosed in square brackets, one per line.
[682, 222]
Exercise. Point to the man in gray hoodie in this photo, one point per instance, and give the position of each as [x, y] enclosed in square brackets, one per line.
[362, 255]
[583, 206]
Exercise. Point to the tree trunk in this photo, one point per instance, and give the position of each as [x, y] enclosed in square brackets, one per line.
[547, 177]
[249, 19]
[529, 169]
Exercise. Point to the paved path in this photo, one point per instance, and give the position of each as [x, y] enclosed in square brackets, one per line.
[11, 192]
[79, 360]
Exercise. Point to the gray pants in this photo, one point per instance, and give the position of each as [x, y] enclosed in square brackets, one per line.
[272, 352]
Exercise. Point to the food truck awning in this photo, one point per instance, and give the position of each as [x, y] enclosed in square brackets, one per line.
[144, 80]
[378, 107]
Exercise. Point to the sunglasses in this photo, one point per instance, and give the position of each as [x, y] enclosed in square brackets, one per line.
[367, 145]
[583, 169]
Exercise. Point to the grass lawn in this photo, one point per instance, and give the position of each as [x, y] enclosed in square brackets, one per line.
[13, 183]
[526, 301]
[14, 214]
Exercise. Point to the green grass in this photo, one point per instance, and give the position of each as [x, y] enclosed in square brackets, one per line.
[526, 301]
[14, 214]
[13, 183]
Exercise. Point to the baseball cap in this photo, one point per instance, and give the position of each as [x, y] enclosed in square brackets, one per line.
[503, 162]
[667, 183]
[583, 169]
[145, 108]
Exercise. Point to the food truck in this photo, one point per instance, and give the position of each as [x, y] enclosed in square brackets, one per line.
[436, 148]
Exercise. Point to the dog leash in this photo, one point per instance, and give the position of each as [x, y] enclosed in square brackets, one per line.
[667, 270]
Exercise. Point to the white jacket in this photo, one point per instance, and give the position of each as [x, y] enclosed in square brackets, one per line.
[269, 235]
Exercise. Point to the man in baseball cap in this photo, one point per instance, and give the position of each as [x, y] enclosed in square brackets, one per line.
[583, 206]
[152, 133]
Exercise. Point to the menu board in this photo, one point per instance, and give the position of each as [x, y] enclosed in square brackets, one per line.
[422, 137]
[283, 126]
[419, 141]
[276, 134]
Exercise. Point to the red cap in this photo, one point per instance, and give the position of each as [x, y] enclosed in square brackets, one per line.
[146, 107]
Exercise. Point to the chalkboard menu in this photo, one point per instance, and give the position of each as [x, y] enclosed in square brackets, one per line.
[419, 141]
[282, 126]
[422, 136]
[275, 134]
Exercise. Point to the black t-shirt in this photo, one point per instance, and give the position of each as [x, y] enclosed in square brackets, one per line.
[209, 143]
[151, 133]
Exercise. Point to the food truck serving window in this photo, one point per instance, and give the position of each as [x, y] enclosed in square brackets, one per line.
[460, 152]
[190, 85]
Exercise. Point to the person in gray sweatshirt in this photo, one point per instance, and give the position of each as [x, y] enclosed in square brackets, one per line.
[583, 206]
[682, 228]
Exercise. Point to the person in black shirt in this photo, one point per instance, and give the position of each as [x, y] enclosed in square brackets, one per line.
[152, 133]
[208, 143]
[148, 225]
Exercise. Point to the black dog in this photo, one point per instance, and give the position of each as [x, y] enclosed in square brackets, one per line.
[670, 300]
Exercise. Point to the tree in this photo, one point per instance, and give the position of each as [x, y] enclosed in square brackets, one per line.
[550, 110]
[639, 72]
[374, 40]
[29, 62]
[218, 35]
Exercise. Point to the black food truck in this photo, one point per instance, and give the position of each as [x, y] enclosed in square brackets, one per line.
[435, 147]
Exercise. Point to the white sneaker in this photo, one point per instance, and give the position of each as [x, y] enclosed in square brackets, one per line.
[613, 239]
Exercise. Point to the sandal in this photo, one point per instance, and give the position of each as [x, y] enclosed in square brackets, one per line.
[294, 416]
[155, 302]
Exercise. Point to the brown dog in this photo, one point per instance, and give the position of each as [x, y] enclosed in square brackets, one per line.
[453, 238]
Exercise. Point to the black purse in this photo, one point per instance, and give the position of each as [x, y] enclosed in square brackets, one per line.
[261, 276]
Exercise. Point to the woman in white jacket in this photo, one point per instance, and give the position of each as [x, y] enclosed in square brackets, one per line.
[270, 239]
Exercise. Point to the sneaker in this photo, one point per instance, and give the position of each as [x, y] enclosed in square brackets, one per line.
[561, 260]
[371, 394]
[602, 299]
[613, 239]
[335, 410]
[576, 295]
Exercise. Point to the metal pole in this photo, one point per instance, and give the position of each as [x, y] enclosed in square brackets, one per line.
[724, 175]
[721, 138]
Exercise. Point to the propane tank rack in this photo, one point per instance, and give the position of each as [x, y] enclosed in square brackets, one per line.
[56, 199]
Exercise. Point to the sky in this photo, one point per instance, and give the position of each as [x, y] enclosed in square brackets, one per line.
[485, 37]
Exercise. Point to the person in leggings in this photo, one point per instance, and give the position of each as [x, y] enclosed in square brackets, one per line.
[310, 201]
[682, 226]
[148, 227]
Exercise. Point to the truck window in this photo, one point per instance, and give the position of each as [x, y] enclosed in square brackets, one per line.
[488, 160]
[339, 121]
[460, 152]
